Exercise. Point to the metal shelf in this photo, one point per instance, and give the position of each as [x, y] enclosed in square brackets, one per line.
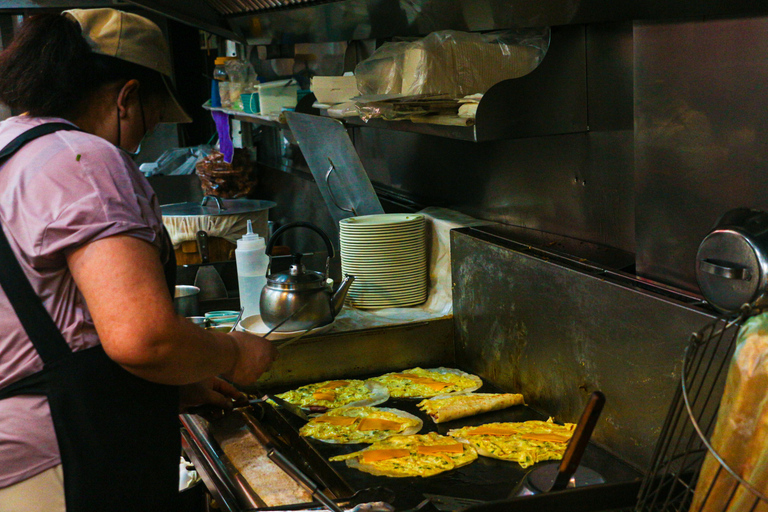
[273, 121]
[550, 100]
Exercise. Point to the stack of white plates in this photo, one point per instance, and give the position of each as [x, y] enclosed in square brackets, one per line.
[387, 254]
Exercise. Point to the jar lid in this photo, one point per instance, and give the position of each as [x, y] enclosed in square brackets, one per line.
[731, 269]
[223, 60]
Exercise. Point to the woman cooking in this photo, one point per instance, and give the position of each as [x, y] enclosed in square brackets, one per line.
[94, 364]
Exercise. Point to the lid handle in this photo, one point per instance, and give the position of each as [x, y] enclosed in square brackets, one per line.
[219, 202]
[307, 225]
[725, 269]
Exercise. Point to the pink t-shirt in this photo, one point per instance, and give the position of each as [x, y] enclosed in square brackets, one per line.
[57, 193]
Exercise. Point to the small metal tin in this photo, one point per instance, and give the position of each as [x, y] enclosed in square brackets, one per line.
[732, 261]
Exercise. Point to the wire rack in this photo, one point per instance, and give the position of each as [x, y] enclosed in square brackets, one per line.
[684, 441]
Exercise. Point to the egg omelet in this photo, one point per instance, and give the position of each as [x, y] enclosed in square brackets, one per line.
[526, 443]
[347, 425]
[421, 383]
[413, 455]
[443, 409]
[336, 393]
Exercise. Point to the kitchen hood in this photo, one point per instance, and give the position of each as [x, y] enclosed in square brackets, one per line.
[314, 21]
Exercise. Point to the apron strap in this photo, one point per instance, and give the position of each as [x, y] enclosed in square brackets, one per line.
[31, 134]
[35, 319]
[35, 384]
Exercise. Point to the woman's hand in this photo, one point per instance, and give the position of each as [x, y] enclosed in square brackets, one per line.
[213, 391]
[254, 356]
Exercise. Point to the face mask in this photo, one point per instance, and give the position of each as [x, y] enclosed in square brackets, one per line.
[135, 153]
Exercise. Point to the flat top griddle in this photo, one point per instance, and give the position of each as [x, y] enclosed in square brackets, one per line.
[485, 479]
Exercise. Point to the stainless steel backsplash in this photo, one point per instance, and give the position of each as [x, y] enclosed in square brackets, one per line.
[701, 136]
[556, 329]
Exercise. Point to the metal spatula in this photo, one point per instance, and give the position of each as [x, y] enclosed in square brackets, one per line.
[207, 278]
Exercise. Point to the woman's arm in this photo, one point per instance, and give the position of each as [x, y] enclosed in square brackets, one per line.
[124, 287]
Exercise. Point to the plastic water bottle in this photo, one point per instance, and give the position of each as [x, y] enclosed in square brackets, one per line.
[252, 261]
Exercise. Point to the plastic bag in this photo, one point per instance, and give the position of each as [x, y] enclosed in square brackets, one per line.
[242, 79]
[741, 428]
[177, 161]
[229, 181]
[452, 63]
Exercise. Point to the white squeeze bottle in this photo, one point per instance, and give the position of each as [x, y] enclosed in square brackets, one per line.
[252, 261]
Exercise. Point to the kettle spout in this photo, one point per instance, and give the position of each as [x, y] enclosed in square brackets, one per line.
[337, 301]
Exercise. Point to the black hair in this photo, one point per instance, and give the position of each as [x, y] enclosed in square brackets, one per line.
[49, 70]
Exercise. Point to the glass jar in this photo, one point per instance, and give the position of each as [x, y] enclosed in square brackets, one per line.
[237, 72]
[220, 68]
[221, 76]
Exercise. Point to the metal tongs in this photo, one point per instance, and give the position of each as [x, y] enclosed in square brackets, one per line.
[284, 343]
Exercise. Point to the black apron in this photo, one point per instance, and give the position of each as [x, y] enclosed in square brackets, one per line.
[118, 434]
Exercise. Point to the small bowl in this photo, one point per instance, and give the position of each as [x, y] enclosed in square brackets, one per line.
[221, 317]
[199, 320]
[221, 327]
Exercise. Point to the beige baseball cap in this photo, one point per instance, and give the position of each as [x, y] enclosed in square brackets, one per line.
[135, 39]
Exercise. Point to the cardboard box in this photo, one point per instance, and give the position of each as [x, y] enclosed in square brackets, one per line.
[334, 89]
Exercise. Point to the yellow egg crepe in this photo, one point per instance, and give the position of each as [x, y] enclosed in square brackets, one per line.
[442, 409]
[347, 425]
[526, 443]
[411, 455]
[331, 394]
[426, 383]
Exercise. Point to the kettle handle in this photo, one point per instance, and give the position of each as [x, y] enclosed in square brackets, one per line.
[302, 224]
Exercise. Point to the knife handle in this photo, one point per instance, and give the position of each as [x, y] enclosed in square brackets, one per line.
[202, 246]
[579, 441]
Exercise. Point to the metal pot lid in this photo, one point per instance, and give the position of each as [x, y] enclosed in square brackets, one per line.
[216, 206]
[731, 269]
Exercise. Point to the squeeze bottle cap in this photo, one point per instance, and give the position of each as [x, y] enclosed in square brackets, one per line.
[251, 240]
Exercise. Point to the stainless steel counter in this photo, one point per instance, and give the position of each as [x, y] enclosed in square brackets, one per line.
[355, 353]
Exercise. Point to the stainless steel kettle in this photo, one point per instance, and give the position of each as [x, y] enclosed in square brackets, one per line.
[299, 299]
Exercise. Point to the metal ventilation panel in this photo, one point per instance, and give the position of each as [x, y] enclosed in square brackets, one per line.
[240, 7]
[198, 13]
[11, 5]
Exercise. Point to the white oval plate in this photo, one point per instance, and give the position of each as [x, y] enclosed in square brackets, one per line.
[394, 253]
[373, 300]
[394, 236]
[255, 325]
[384, 219]
[395, 275]
[367, 260]
[388, 283]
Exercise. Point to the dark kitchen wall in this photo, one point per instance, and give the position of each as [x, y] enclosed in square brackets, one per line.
[701, 136]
